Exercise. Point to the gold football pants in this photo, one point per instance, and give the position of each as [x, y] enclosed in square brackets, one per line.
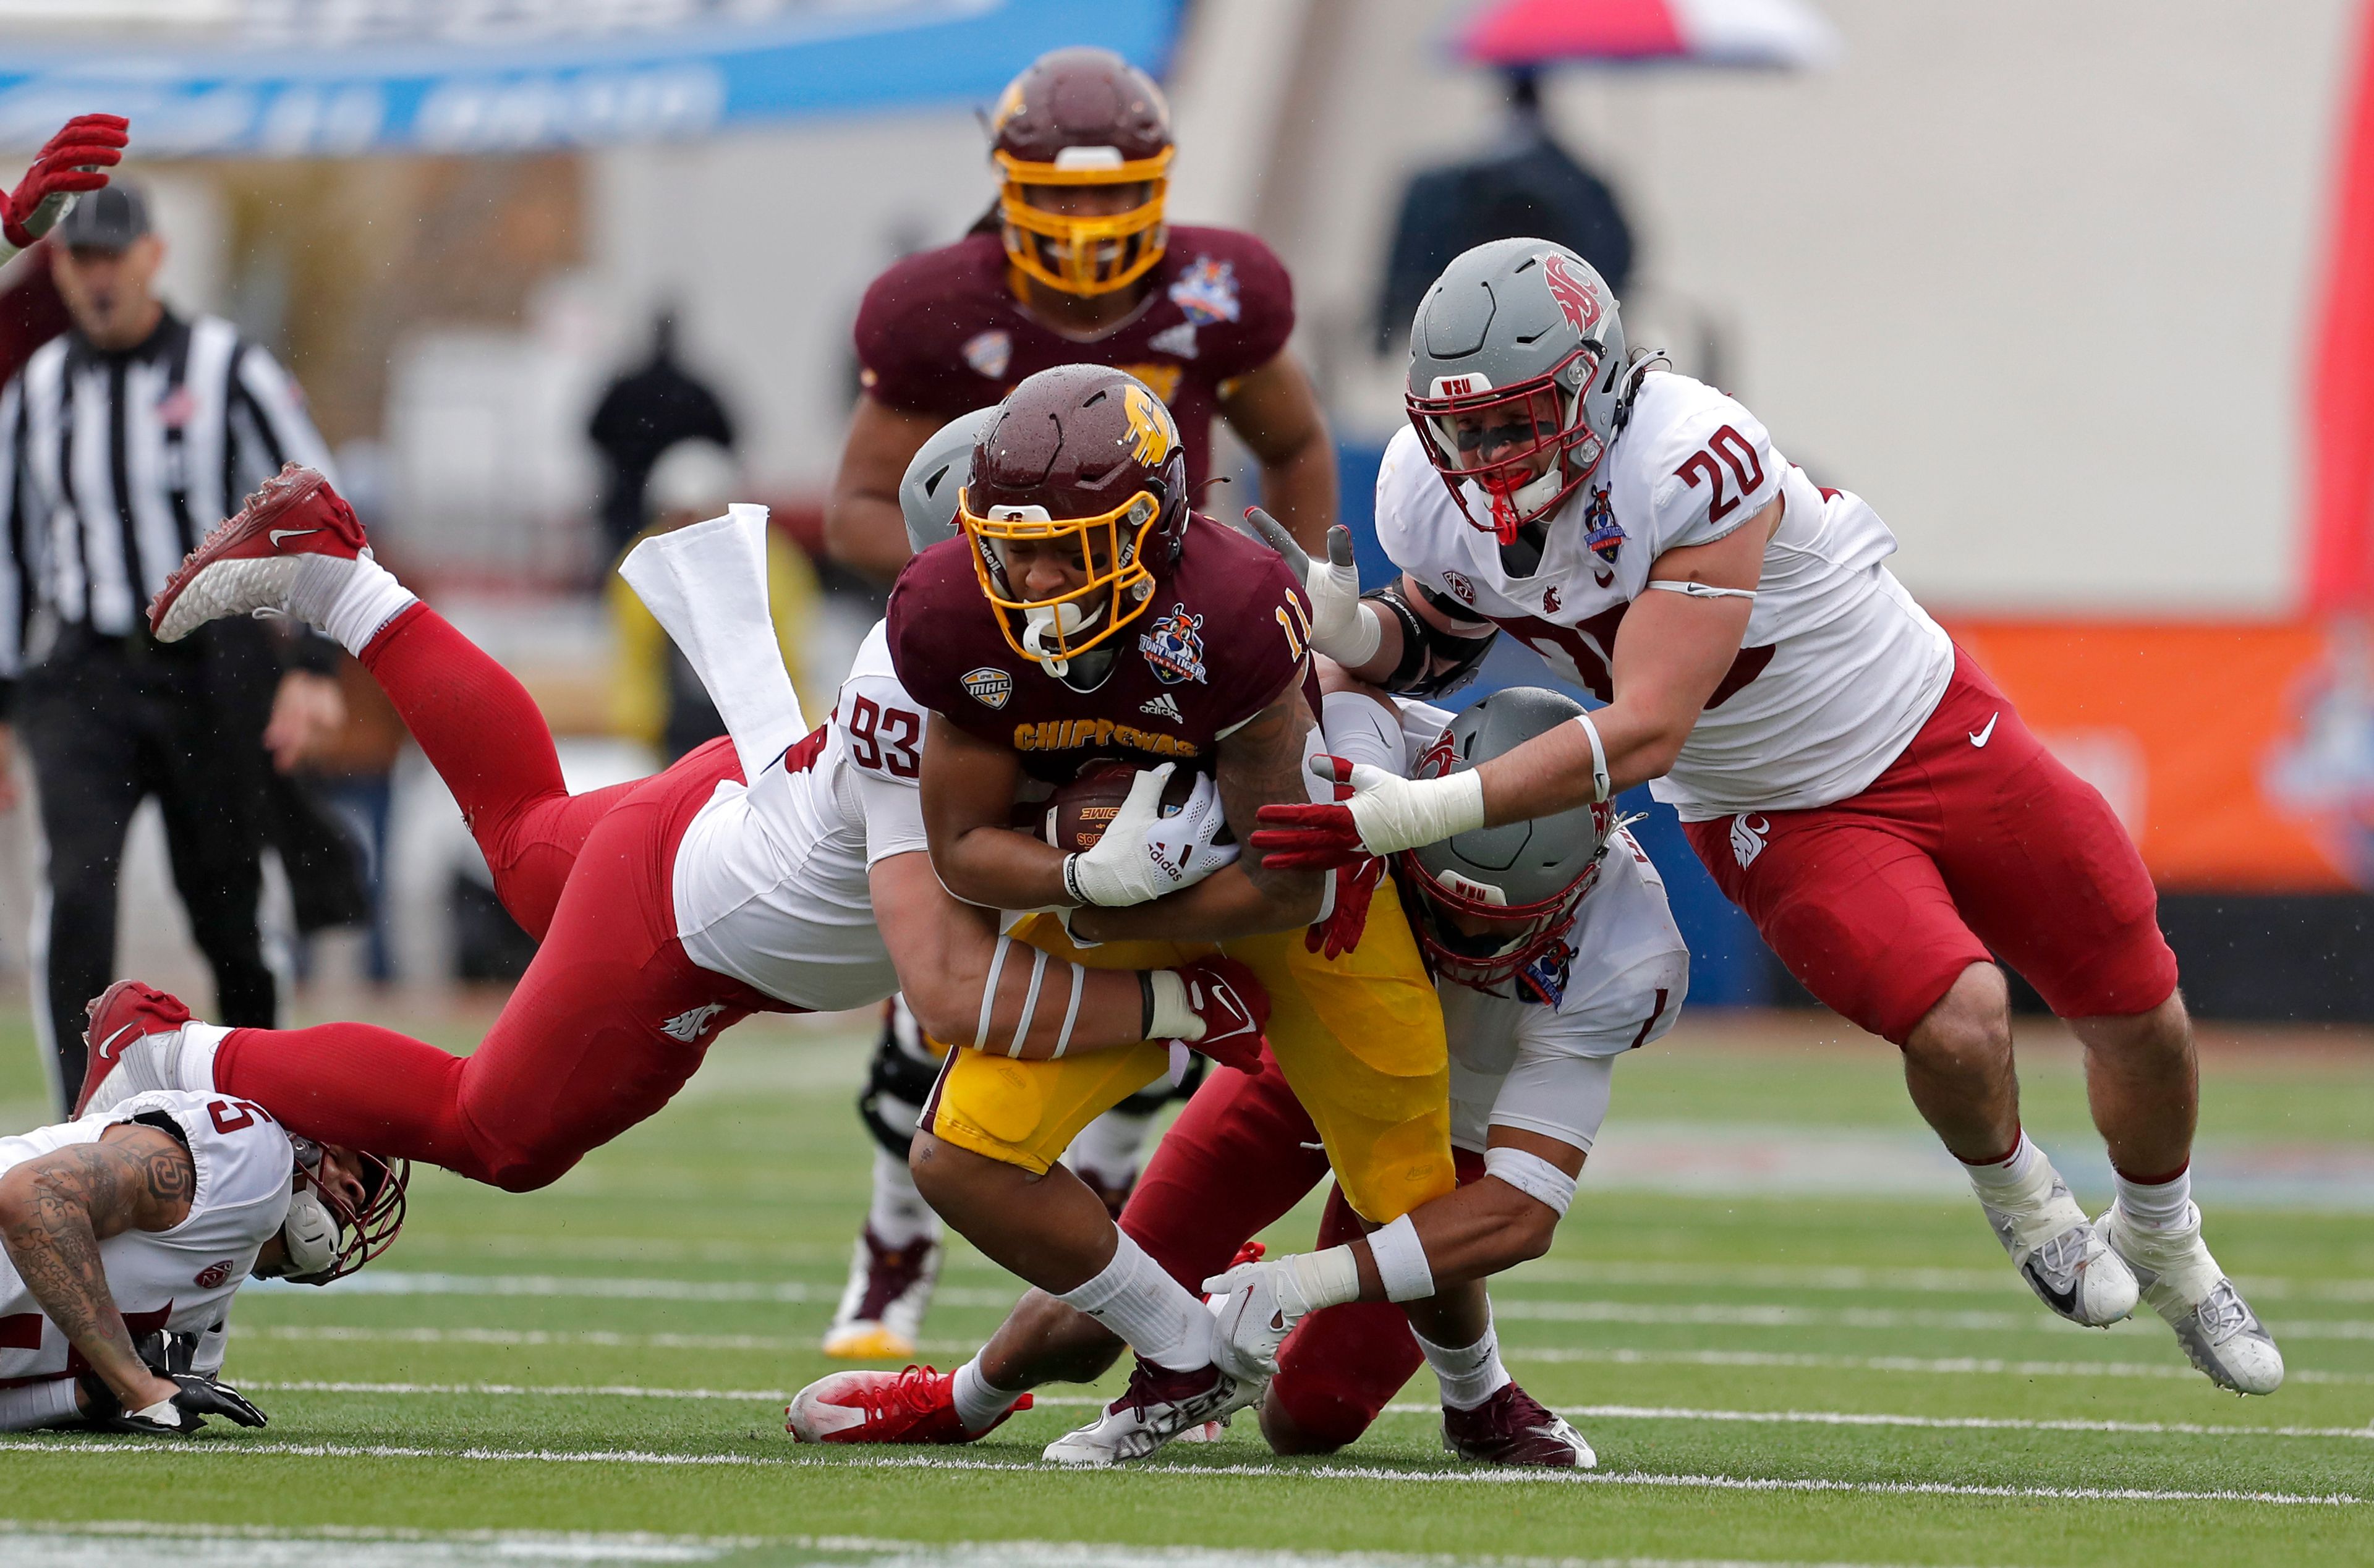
[1358, 1037]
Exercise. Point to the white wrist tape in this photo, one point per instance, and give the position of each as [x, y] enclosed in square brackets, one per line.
[1700, 589]
[1173, 1019]
[1600, 782]
[1402, 814]
[163, 1412]
[1402, 1267]
[1325, 1279]
[1532, 1176]
[1358, 642]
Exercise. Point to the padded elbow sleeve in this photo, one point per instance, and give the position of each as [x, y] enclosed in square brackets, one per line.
[1433, 660]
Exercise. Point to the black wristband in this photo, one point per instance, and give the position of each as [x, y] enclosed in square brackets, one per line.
[1072, 880]
[1146, 1004]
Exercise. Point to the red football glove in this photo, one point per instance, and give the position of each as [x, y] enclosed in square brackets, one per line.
[1312, 837]
[1339, 933]
[1234, 1008]
[76, 160]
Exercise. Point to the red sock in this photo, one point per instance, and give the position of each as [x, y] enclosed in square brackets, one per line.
[355, 1084]
[483, 732]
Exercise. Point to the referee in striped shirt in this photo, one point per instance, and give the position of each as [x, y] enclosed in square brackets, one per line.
[121, 444]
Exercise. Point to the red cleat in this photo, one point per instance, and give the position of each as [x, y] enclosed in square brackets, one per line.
[249, 562]
[917, 1405]
[1514, 1428]
[120, 1017]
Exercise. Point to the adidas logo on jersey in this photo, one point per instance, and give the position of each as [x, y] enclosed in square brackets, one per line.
[1747, 837]
[1162, 707]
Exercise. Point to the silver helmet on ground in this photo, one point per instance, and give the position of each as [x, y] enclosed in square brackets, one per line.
[1517, 373]
[1493, 901]
[935, 474]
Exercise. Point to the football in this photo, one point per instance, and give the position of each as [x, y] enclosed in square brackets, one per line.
[1076, 816]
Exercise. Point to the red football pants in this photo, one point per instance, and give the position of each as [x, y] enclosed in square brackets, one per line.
[611, 1017]
[1976, 837]
[1241, 1154]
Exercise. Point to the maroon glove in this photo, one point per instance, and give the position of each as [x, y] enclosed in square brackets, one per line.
[1234, 1008]
[76, 160]
[1339, 933]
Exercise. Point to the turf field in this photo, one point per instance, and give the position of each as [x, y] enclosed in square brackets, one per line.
[1787, 1335]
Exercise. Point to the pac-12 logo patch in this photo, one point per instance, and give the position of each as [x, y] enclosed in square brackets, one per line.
[989, 685]
[1206, 292]
[214, 1274]
[1173, 646]
[1599, 529]
[990, 352]
[1461, 588]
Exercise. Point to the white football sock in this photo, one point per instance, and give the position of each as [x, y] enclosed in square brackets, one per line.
[2160, 1206]
[1469, 1374]
[2024, 1174]
[37, 1404]
[978, 1400]
[193, 1063]
[1146, 1307]
[347, 601]
[899, 1216]
[1360, 728]
[1106, 1149]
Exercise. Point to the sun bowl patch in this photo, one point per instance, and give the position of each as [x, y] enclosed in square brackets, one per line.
[989, 685]
[1599, 529]
[1173, 646]
[990, 352]
[1206, 292]
[1545, 976]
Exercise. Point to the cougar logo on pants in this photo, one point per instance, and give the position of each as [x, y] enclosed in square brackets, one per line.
[1747, 837]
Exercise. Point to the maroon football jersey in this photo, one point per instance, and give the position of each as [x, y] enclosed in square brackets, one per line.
[1226, 631]
[941, 334]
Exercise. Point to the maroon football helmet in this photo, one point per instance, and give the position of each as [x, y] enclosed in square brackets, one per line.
[1086, 456]
[1076, 117]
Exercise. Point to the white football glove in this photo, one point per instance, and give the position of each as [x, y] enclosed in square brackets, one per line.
[1341, 627]
[1123, 866]
[1182, 843]
[1264, 1301]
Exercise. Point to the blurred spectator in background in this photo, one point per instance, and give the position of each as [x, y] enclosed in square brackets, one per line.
[657, 698]
[31, 311]
[1527, 184]
[121, 444]
[642, 414]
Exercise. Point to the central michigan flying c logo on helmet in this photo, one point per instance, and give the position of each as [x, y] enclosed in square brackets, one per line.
[1575, 297]
[1151, 432]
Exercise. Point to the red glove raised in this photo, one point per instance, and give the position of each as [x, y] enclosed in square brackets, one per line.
[75, 160]
[1234, 1008]
[1312, 837]
[1339, 933]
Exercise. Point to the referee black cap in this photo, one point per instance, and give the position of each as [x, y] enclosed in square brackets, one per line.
[109, 218]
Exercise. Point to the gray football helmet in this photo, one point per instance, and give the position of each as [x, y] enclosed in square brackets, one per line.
[1516, 377]
[1493, 901]
[927, 491]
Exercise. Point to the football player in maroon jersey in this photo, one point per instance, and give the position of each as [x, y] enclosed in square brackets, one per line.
[1077, 263]
[1087, 614]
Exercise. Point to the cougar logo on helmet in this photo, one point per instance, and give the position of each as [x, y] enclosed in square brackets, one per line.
[1576, 298]
[1151, 433]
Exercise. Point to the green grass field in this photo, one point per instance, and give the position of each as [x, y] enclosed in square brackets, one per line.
[1771, 1373]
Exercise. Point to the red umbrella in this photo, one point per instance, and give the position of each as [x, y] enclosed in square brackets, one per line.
[1787, 34]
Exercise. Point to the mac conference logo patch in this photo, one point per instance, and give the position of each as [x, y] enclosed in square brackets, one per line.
[989, 685]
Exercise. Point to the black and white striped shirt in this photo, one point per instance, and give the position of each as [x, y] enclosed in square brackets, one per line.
[113, 465]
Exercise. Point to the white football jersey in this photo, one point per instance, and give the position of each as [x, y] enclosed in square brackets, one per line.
[1839, 668]
[179, 1281]
[770, 878]
[1621, 978]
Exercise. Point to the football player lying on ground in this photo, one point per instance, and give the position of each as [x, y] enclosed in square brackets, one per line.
[129, 1231]
[666, 908]
[1088, 615]
[1853, 780]
[1554, 953]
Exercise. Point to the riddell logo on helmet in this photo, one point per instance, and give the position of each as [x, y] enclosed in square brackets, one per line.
[1575, 297]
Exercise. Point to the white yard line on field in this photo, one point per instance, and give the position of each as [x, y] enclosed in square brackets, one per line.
[85, 1447]
[263, 1546]
[1733, 1315]
[1604, 1412]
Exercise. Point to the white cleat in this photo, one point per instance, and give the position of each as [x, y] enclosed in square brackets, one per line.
[1158, 1407]
[2219, 1332]
[2064, 1261]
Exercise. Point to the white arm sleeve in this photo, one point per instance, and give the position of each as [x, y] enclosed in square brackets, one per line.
[894, 814]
